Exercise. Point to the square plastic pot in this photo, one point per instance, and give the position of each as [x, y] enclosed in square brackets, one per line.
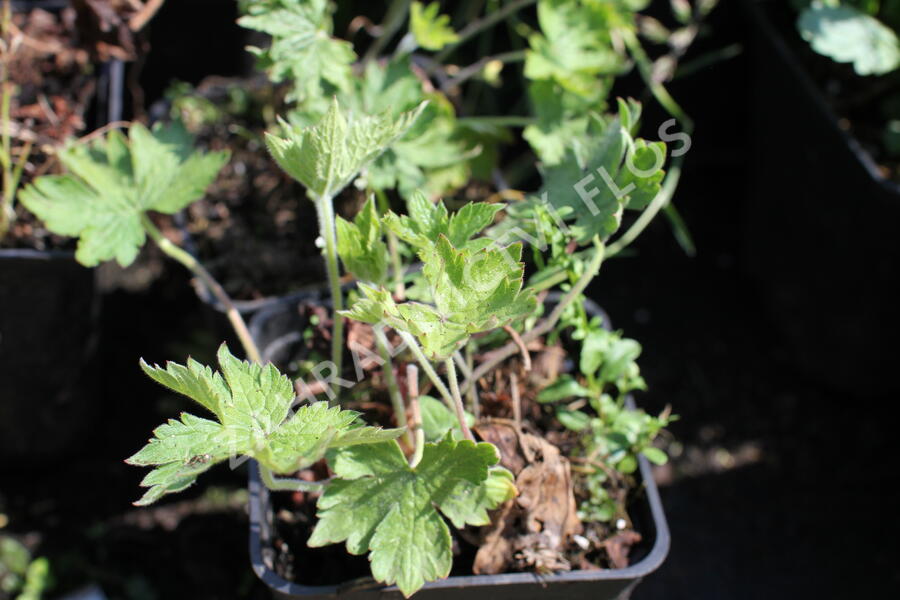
[275, 329]
[819, 227]
[48, 336]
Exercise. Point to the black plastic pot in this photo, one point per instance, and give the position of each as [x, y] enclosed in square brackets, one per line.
[274, 330]
[49, 308]
[820, 226]
[48, 312]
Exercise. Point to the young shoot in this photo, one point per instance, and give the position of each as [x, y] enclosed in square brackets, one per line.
[325, 158]
[476, 287]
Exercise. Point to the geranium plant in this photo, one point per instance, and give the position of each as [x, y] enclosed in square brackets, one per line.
[441, 287]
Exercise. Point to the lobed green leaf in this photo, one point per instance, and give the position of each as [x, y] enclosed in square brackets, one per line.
[382, 506]
[361, 246]
[252, 404]
[112, 182]
[327, 156]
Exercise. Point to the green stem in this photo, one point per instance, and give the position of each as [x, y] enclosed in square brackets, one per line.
[499, 120]
[290, 484]
[474, 69]
[416, 458]
[659, 91]
[495, 357]
[8, 192]
[426, 366]
[476, 27]
[412, 381]
[393, 249]
[474, 404]
[393, 20]
[646, 217]
[381, 343]
[461, 363]
[457, 399]
[325, 212]
[194, 266]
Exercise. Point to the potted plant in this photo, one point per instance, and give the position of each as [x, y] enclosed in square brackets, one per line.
[475, 285]
[819, 124]
[524, 440]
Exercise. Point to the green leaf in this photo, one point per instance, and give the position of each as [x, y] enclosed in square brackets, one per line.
[382, 506]
[428, 220]
[361, 247]
[562, 388]
[628, 464]
[434, 155]
[573, 419]
[655, 455]
[438, 419]
[431, 30]
[575, 46]
[112, 182]
[473, 291]
[252, 405]
[328, 155]
[618, 357]
[561, 118]
[302, 50]
[847, 35]
[480, 289]
[438, 337]
[597, 180]
[469, 506]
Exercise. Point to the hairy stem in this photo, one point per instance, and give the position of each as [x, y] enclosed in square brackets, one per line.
[194, 266]
[495, 357]
[412, 382]
[289, 484]
[393, 250]
[472, 392]
[325, 212]
[382, 344]
[426, 366]
[457, 399]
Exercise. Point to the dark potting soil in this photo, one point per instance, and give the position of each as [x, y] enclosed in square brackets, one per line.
[255, 229]
[56, 84]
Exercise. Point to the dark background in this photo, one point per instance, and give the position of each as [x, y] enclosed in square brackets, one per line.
[780, 486]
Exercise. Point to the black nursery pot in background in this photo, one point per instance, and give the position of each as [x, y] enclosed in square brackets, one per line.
[821, 224]
[48, 311]
[276, 330]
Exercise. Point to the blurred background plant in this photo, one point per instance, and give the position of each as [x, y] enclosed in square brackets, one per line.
[22, 576]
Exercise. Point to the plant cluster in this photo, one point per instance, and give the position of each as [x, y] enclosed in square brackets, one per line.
[449, 279]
